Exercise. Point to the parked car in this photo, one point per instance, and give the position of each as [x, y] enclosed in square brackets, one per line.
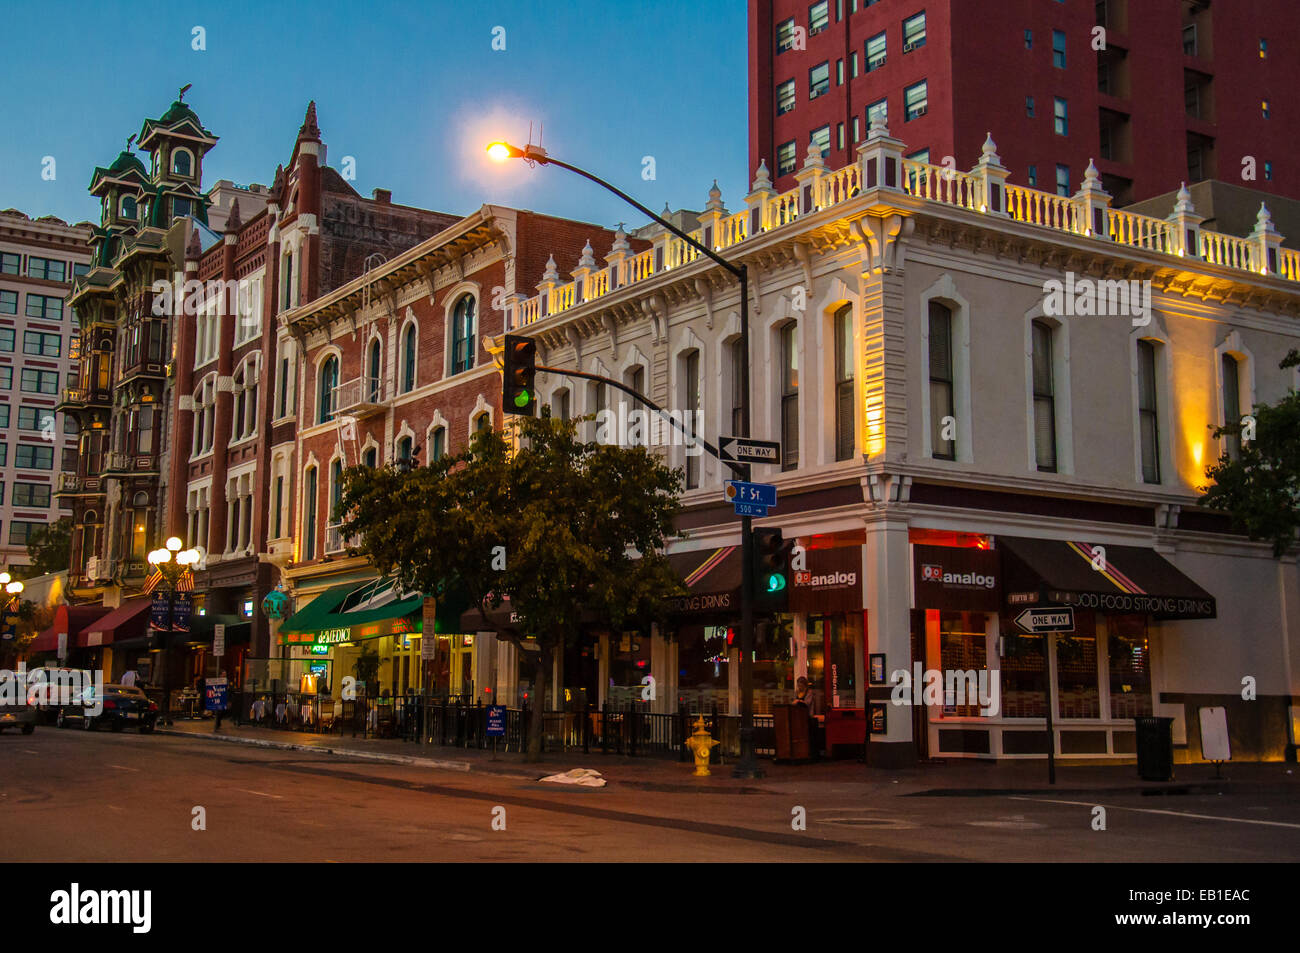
[123, 707]
[15, 712]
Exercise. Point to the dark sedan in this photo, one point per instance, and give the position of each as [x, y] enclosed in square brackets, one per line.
[121, 706]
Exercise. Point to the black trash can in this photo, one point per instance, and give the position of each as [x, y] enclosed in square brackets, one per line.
[1155, 748]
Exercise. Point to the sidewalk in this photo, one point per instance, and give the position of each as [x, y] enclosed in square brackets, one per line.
[962, 778]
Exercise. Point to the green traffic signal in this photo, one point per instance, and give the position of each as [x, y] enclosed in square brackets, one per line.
[522, 398]
[518, 373]
[775, 582]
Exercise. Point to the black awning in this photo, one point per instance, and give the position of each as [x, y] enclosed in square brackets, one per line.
[1126, 578]
[713, 577]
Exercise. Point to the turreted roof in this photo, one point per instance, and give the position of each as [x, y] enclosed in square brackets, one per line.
[127, 161]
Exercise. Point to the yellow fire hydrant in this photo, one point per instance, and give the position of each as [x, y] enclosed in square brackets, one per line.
[700, 744]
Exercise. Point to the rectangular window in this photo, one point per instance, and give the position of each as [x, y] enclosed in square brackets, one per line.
[1061, 115]
[1189, 39]
[40, 382]
[20, 531]
[819, 80]
[279, 506]
[1268, 171]
[8, 302]
[69, 460]
[857, 135]
[309, 517]
[691, 371]
[942, 420]
[876, 51]
[6, 339]
[790, 396]
[914, 32]
[6, 377]
[31, 456]
[785, 97]
[844, 365]
[44, 345]
[1058, 49]
[46, 268]
[819, 17]
[853, 65]
[31, 494]
[1128, 653]
[962, 649]
[879, 108]
[839, 135]
[4, 454]
[916, 100]
[1029, 39]
[1029, 106]
[821, 140]
[1044, 398]
[839, 72]
[785, 35]
[1063, 180]
[786, 157]
[1148, 413]
[1032, 173]
[737, 387]
[4, 416]
[44, 307]
[32, 418]
[10, 263]
[1231, 404]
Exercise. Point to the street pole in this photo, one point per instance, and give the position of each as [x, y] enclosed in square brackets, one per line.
[747, 766]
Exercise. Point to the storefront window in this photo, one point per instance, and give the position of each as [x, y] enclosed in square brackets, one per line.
[629, 662]
[773, 663]
[1077, 684]
[961, 649]
[834, 645]
[703, 665]
[1130, 666]
[1022, 677]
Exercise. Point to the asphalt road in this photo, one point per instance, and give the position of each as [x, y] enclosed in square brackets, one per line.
[77, 796]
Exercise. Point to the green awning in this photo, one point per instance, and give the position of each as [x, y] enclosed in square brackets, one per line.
[351, 612]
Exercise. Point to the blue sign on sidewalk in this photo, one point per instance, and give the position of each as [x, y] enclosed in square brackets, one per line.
[496, 721]
[214, 695]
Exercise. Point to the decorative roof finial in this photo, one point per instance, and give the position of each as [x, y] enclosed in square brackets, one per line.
[180, 97]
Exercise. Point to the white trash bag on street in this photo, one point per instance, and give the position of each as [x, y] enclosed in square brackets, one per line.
[584, 776]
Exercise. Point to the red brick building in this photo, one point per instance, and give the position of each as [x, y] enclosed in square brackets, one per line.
[1183, 90]
[233, 394]
[393, 367]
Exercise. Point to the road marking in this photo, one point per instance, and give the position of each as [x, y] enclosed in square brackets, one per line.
[122, 767]
[278, 797]
[30, 751]
[1152, 810]
[114, 807]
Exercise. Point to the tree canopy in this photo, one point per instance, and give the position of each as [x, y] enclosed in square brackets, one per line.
[1260, 489]
[563, 529]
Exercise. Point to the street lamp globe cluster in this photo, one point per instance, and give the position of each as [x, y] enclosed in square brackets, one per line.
[170, 558]
[12, 586]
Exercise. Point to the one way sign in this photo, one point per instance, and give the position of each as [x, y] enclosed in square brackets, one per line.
[1053, 619]
[746, 450]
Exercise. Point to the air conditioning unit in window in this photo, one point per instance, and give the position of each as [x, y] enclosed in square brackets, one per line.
[909, 47]
[875, 64]
[920, 111]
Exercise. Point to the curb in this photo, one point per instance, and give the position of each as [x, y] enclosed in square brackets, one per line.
[464, 766]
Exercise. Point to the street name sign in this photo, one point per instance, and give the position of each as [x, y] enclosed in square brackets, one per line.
[747, 450]
[1051, 619]
[738, 491]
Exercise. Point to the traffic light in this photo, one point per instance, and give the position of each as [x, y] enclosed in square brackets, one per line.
[771, 570]
[518, 390]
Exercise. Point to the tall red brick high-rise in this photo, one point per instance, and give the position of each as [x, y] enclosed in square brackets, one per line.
[1184, 90]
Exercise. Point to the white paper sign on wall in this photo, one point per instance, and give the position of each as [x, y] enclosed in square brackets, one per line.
[1214, 734]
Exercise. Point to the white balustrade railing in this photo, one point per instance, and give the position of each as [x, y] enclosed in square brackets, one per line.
[1142, 231]
[1227, 250]
[924, 181]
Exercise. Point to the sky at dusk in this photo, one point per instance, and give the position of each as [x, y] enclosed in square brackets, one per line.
[411, 90]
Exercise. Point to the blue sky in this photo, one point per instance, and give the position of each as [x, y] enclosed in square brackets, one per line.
[411, 90]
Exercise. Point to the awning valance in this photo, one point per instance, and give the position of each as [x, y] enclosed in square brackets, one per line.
[69, 619]
[713, 576]
[1108, 578]
[351, 612]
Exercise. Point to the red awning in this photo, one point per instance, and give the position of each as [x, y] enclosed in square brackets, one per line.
[70, 619]
[125, 622]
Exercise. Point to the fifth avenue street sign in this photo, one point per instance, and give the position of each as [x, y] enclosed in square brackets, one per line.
[1054, 619]
[745, 450]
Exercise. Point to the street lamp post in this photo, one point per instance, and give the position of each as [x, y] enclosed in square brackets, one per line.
[747, 766]
[171, 563]
[14, 589]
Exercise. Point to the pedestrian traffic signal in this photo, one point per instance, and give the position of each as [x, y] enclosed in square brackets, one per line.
[518, 390]
[771, 570]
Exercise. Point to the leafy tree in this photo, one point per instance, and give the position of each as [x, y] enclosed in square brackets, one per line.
[1261, 488]
[578, 527]
[49, 547]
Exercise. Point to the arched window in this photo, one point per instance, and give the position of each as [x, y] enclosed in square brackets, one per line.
[942, 382]
[181, 162]
[845, 443]
[1044, 386]
[371, 457]
[328, 380]
[404, 448]
[462, 335]
[336, 491]
[128, 207]
[408, 359]
[437, 443]
[482, 422]
[789, 383]
[375, 369]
